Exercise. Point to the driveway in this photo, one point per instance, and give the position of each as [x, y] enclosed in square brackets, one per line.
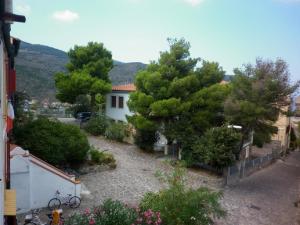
[267, 197]
[134, 175]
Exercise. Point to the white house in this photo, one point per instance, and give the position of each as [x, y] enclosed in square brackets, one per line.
[117, 108]
[116, 102]
[36, 181]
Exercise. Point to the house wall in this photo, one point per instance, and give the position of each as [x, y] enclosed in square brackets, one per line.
[44, 184]
[282, 135]
[35, 185]
[20, 182]
[2, 141]
[117, 113]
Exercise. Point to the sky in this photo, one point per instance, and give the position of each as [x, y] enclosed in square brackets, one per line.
[230, 32]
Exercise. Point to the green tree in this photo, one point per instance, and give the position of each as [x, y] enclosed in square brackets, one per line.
[169, 91]
[259, 93]
[217, 147]
[87, 74]
[94, 58]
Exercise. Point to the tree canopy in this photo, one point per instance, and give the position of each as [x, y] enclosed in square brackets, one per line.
[94, 58]
[87, 73]
[175, 97]
[259, 93]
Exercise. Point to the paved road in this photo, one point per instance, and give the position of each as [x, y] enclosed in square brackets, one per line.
[267, 197]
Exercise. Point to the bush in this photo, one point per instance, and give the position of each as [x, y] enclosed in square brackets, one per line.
[181, 206]
[116, 131]
[145, 139]
[97, 125]
[114, 213]
[53, 141]
[99, 157]
[111, 213]
[217, 147]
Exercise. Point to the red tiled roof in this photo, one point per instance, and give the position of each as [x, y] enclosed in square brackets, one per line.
[224, 82]
[124, 87]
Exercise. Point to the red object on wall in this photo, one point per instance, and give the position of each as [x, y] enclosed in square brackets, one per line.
[11, 82]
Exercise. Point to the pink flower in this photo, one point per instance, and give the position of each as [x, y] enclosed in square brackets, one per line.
[92, 221]
[87, 211]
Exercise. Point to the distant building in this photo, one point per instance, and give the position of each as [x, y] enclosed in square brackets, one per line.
[283, 125]
[116, 102]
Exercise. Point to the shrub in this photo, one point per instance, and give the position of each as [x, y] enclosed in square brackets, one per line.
[181, 206]
[100, 157]
[145, 139]
[147, 217]
[110, 213]
[217, 147]
[116, 131]
[97, 125]
[53, 141]
[114, 213]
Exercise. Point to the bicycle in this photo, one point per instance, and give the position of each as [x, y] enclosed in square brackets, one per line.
[58, 200]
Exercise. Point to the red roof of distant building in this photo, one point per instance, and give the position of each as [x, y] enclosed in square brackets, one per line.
[124, 87]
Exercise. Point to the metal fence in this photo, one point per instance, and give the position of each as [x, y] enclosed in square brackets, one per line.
[246, 167]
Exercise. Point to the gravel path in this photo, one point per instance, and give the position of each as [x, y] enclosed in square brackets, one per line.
[134, 175]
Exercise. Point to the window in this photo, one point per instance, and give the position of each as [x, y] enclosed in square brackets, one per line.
[121, 102]
[113, 101]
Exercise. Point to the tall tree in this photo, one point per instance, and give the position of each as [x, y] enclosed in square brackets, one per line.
[259, 93]
[93, 58]
[171, 92]
[87, 73]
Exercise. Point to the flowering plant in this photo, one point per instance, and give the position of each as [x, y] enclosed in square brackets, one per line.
[114, 213]
[147, 217]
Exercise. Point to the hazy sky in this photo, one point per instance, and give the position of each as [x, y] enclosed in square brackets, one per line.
[231, 32]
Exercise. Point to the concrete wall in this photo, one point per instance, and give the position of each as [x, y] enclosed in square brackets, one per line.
[20, 181]
[117, 113]
[35, 185]
[44, 185]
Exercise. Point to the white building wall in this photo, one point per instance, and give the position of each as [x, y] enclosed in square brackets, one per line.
[21, 182]
[117, 113]
[44, 184]
[35, 185]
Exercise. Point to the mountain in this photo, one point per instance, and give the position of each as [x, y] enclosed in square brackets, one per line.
[36, 66]
[125, 72]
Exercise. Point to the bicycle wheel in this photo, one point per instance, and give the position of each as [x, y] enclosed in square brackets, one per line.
[74, 202]
[54, 203]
